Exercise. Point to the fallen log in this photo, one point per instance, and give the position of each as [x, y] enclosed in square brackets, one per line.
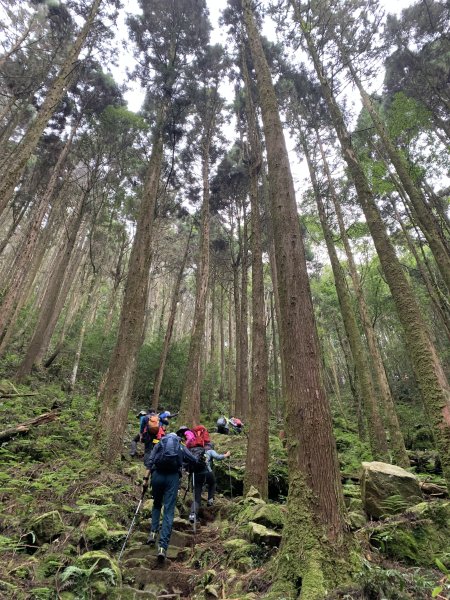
[4, 395]
[24, 428]
[432, 489]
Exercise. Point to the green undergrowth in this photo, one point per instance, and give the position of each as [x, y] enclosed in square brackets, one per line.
[64, 516]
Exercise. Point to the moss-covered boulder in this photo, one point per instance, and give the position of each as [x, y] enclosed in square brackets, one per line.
[387, 489]
[101, 560]
[417, 537]
[47, 527]
[356, 520]
[263, 535]
[270, 515]
[96, 532]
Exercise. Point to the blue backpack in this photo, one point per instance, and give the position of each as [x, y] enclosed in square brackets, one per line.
[169, 459]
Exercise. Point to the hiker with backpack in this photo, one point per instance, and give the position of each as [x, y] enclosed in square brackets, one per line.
[142, 416]
[222, 426]
[236, 425]
[165, 463]
[151, 432]
[210, 479]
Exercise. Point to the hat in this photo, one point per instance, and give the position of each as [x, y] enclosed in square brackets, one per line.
[141, 413]
[182, 430]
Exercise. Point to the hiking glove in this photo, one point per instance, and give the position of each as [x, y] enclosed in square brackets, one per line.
[145, 486]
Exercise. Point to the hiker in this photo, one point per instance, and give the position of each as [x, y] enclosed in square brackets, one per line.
[164, 418]
[186, 435]
[222, 426]
[151, 431]
[164, 464]
[236, 424]
[210, 479]
[137, 438]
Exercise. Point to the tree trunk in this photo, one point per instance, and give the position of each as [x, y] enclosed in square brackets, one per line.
[190, 398]
[116, 394]
[51, 303]
[257, 459]
[23, 260]
[170, 323]
[429, 374]
[377, 434]
[315, 501]
[397, 442]
[243, 352]
[276, 375]
[13, 169]
[424, 215]
[222, 347]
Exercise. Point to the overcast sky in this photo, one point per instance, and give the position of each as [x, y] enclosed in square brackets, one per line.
[135, 95]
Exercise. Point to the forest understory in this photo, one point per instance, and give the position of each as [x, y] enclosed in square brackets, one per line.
[226, 210]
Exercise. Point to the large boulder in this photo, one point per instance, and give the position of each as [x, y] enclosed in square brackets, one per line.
[47, 527]
[387, 489]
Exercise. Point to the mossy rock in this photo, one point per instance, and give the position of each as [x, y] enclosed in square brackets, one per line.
[263, 535]
[356, 519]
[355, 505]
[47, 527]
[270, 515]
[421, 536]
[102, 560]
[240, 553]
[96, 532]
[129, 593]
[387, 489]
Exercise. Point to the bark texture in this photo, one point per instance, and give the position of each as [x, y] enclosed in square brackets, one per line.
[428, 370]
[315, 502]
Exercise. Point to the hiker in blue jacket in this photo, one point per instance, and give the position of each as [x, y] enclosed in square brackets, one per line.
[165, 464]
[206, 475]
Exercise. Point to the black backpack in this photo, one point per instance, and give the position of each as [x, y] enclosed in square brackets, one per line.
[169, 459]
[199, 453]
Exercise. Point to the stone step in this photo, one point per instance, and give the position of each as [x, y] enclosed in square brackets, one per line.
[157, 580]
[178, 538]
[146, 552]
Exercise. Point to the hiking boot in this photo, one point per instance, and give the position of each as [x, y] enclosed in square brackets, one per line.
[162, 553]
[192, 518]
[152, 538]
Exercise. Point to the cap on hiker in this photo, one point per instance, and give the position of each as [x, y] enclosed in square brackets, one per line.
[181, 431]
[141, 413]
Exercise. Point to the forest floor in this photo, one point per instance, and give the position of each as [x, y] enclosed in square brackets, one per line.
[64, 518]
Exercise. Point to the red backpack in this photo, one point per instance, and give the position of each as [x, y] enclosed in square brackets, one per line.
[201, 437]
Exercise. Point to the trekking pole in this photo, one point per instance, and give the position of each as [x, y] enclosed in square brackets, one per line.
[195, 505]
[231, 484]
[131, 527]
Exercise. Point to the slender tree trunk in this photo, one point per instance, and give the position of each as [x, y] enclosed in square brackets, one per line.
[116, 393]
[23, 260]
[315, 501]
[12, 171]
[257, 461]
[420, 207]
[190, 398]
[243, 353]
[397, 442]
[276, 375]
[169, 329]
[441, 309]
[46, 321]
[222, 347]
[377, 434]
[231, 380]
[428, 370]
[237, 337]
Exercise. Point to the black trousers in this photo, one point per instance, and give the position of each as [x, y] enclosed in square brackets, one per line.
[199, 481]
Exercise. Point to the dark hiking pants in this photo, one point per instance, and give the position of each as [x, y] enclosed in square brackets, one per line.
[164, 490]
